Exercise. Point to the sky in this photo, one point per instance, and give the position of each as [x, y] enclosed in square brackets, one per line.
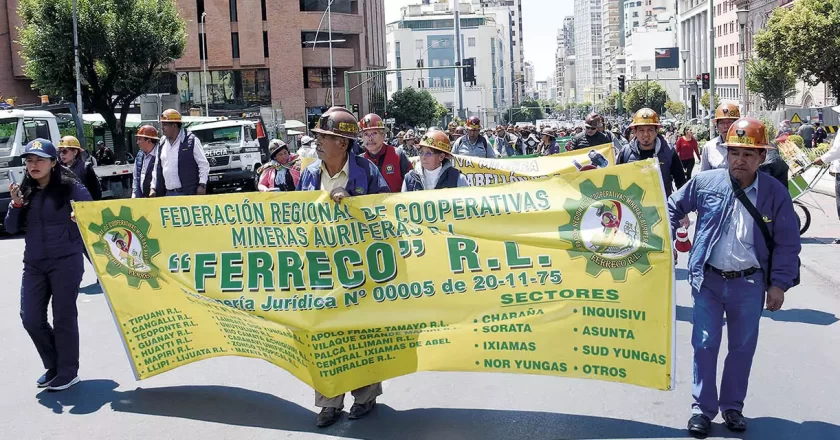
[540, 21]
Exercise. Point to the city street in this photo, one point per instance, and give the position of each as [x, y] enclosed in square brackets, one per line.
[793, 390]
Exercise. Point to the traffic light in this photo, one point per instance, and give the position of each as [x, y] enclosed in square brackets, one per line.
[706, 81]
[621, 83]
[356, 109]
[469, 70]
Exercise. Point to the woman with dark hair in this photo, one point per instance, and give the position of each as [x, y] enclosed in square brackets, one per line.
[72, 156]
[52, 260]
[276, 175]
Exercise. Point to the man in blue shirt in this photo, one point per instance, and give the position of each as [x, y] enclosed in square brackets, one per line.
[731, 267]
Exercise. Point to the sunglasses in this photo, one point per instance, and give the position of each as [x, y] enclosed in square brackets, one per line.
[63, 150]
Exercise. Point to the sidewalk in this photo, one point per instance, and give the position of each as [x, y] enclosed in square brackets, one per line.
[819, 255]
[825, 185]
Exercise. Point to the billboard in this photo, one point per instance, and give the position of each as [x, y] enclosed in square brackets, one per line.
[667, 58]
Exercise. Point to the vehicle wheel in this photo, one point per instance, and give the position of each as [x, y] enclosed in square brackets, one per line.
[803, 216]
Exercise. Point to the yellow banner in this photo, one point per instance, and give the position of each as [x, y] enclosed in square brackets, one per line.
[481, 171]
[565, 276]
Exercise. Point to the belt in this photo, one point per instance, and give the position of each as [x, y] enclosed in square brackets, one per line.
[732, 274]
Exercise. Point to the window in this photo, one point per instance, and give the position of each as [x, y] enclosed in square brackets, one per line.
[317, 78]
[264, 13]
[340, 6]
[471, 41]
[645, 69]
[233, 13]
[435, 62]
[234, 44]
[447, 82]
[726, 51]
[635, 14]
[265, 44]
[435, 82]
[732, 48]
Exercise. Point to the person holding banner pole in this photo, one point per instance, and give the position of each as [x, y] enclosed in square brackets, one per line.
[746, 245]
[342, 174]
[53, 266]
[548, 145]
[434, 170]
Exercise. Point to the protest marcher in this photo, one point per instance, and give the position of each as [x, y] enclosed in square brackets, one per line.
[307, 148]
[832, 156]
[408, 147]
[52, 260]
[548, 143]
[529, 140]
[276, 175]
[820, 135]
[435, 169]
[460, 132]
[687, 150]
[72, 156]
[714, 154]
[184, 170]
[146, 163]
[473, 144]
[648, 143]
[103, 155]
[592, 137]
[506, 142]
[392, 163]
[342, 174]
[732, 266]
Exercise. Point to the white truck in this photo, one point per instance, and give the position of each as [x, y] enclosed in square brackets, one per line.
[19, 126]
[234, 153]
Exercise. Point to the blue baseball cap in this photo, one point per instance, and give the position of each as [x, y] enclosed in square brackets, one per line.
[41, 148]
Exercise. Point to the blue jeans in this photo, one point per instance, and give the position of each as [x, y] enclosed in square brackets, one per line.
[175, 192]
[742, 300]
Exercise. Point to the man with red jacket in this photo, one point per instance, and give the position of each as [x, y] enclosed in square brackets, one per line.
[393, 164]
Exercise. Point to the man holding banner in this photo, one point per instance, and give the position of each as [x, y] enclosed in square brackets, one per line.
[342, 175]
[732, 265]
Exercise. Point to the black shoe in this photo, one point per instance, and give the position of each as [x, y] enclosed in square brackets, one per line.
[45, 380]
[734, 420]
[836, 241]
[358, 411]
[61, 383]
[699, 425]
[328, 416]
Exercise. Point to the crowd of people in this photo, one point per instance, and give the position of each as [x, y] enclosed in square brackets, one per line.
[746, 239]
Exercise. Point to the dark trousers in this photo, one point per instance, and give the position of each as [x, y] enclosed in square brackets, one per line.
[837, 193]
[688, 166]
[58, 279]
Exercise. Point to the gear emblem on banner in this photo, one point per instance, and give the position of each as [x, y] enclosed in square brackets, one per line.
[611, 228]
[125, 242]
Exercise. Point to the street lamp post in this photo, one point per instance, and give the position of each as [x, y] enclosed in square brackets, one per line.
[684, 53]
[743, 17]
[79, 109]
[204, 46]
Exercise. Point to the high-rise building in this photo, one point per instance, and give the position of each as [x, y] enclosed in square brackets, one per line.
[589, 43]
[694, 38]
[640, 50]
[569, 73]
[257, 54]
[727, 53]
[529, 80]
[425, 37]
[559, 65]
[517, 40]
[614, 61]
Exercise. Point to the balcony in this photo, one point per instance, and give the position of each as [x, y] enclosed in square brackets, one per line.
[320, 57]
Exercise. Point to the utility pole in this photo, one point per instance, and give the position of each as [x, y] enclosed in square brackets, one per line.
[460, 76]
[79, 108]
[711, 66]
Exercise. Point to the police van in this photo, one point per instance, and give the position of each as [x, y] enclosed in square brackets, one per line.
[233, 150]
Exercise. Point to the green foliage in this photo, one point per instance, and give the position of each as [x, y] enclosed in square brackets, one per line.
[797, 139]
[414, 108]
[803, 37]
[124, 46]
[676, 108]
[641, 94]
[701, 133]
[440, 111]
[773, 81]
[530, 111]
[611, 103]
[704, 100]
[771, 129]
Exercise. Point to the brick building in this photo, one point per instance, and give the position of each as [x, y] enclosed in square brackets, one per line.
[259, 52]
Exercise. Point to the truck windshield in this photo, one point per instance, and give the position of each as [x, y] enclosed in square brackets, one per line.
[228, 135]
[8, 128]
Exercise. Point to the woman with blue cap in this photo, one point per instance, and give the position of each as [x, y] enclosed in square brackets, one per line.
[52, 260]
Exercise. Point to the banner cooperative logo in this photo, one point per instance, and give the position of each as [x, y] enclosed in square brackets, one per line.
[127, 246]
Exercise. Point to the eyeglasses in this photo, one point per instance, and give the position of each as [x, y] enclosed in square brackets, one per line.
[428, 154]
[591, 128]
[63, 150]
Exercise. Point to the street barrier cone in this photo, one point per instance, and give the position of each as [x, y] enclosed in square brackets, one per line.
[683, 243]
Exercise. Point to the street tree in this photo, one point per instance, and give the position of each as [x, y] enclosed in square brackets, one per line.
[441, 111]
[124, 47]
[773, 81]
[676, 108]
[642, 94]
[704, 100]
[611, 103]
[802, 37]
[412, 107]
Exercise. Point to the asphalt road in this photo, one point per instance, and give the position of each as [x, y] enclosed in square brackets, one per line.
[793, 389]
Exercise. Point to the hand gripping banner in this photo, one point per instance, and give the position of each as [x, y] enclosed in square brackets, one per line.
[564, 276]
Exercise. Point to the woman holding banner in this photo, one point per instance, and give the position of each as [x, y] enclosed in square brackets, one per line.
[435, 169]
[52, 260]
[277, 175]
